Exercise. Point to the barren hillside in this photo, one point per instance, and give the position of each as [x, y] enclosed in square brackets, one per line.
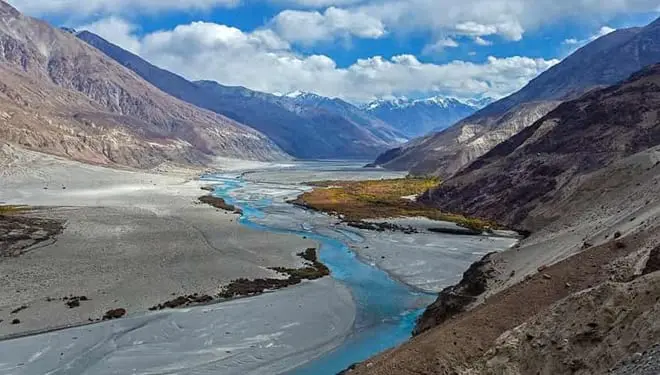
[61, 96]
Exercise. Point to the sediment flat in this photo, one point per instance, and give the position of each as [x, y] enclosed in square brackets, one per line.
[266, 334]
[131, 240]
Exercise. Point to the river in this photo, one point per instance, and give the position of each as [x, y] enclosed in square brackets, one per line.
[386, 309]
[379, 284]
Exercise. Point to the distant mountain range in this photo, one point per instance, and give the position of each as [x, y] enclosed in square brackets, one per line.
[61, 96]
[603, 62]
[421, 116]
[304, 125]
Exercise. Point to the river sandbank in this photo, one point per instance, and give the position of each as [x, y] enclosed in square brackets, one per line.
[131, 240]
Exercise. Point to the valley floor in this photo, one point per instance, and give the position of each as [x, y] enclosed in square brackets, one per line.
[130, 240]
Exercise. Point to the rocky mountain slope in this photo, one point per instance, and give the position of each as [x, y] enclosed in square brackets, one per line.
[61, 96]
[416, 118]
[602, 62]
[327, 128]
[579, 295]
[546, 161]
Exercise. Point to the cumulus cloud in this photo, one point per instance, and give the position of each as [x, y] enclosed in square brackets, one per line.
[510, 30]
[120, 30]
[508, 19]
[308, 27]
[316, 3]
[481, 41]
[84, 8]
[263, 61]
[580, 42]
[439, 46]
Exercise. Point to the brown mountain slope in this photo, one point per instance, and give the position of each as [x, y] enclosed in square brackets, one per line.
[600, 63]
[546, 161]
[570, 298]
[445, 153]
[61, 96]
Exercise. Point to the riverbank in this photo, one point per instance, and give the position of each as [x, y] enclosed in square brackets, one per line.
[129, 240]
[579, 295]
[417, 245]
[267, 334]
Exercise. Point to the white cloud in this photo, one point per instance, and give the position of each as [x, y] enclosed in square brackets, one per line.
[316, 3]
[580, 42]
[482, 42]
[308, 27]
[508, 19]
[510, 30]
[603, 31]
[120, 30]
[84, 8]
[262, 61]
[439, 46]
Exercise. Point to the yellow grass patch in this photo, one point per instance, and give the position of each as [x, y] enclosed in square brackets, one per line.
[12, 209]
[373, 199]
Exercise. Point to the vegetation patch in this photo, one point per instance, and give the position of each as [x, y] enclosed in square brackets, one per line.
[74, 301]
[381, 227]
[458, 231]
[315, 270]
[220, 203]
[19, 233]
[245, 287]
[355, 201]
[12, 209]
[183, 301]
[114, 314]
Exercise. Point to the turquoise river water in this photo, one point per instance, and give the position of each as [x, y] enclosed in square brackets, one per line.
[386, 308]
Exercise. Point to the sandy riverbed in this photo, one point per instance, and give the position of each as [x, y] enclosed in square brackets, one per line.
[425, 260]
[131, 240]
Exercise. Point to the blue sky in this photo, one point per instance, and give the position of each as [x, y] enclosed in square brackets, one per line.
[355, 49]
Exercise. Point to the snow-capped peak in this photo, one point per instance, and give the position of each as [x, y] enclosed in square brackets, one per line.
[440, 101]
[298, 94]
[437, 100]
[391, 103]
[295, 94]
[479, 103]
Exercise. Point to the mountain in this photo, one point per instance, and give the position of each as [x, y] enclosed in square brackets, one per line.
[309, 104]
[332, 130]
[61, 96]
[585, 181]
[516, 182]
[419, 117]
[605, 61]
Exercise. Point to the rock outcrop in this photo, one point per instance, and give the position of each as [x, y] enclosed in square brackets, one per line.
[457, 298]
